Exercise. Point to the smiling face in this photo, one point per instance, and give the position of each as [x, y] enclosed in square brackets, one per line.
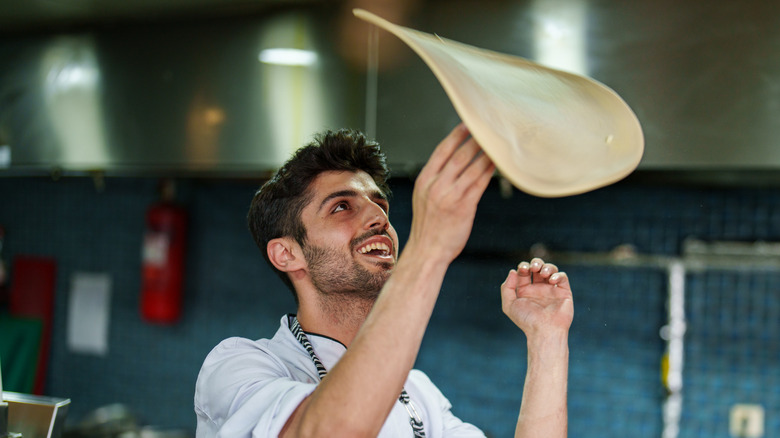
[350, 246]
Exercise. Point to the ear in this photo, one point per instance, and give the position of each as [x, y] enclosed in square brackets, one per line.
[285, 254]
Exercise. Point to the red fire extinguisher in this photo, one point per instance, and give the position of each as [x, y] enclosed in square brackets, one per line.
[163, 258]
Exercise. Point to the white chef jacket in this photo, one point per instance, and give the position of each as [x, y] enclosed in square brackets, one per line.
[250, 388]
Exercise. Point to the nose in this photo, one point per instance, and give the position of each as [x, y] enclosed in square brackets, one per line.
[375, 217]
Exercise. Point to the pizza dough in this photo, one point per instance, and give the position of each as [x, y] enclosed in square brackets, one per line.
[549, 132]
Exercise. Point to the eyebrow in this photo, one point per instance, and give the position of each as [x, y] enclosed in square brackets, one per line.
[351, 194]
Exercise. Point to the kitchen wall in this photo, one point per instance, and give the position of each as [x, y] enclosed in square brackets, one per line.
[470, 350]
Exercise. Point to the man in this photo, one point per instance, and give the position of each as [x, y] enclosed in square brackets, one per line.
[336, 369]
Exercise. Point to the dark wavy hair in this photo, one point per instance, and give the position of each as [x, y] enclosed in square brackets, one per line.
[276, 208]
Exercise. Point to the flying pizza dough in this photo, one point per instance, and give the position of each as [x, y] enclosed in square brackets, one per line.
[549, 132]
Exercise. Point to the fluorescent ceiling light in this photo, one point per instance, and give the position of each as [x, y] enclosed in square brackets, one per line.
[288, 57]
[560, 30]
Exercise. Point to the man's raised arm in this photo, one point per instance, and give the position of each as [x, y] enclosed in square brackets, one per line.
[538, 299]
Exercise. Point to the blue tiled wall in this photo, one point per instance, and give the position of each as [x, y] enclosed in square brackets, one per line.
[471, 350]
[733, 355]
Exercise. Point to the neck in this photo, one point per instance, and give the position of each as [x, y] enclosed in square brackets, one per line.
[338, 317]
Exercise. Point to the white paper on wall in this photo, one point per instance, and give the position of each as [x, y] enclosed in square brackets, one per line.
[89, 309]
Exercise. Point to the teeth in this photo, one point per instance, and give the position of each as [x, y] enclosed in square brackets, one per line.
[374, 246]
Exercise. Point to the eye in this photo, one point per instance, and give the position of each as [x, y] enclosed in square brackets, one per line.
[341, 206]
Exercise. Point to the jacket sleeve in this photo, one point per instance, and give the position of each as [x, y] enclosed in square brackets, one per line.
[245, 391]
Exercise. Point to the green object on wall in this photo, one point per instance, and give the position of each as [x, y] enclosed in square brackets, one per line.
[20, 340]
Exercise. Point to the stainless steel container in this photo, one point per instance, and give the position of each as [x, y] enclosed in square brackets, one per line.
[35, 415]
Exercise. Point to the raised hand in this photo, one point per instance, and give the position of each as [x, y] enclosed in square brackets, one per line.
[446, 195]
[538, 298]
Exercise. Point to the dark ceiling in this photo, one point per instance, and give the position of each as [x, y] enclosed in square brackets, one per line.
[39, 15]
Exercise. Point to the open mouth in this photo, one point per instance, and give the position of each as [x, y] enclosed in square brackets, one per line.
[380, 249]
[378, 245]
